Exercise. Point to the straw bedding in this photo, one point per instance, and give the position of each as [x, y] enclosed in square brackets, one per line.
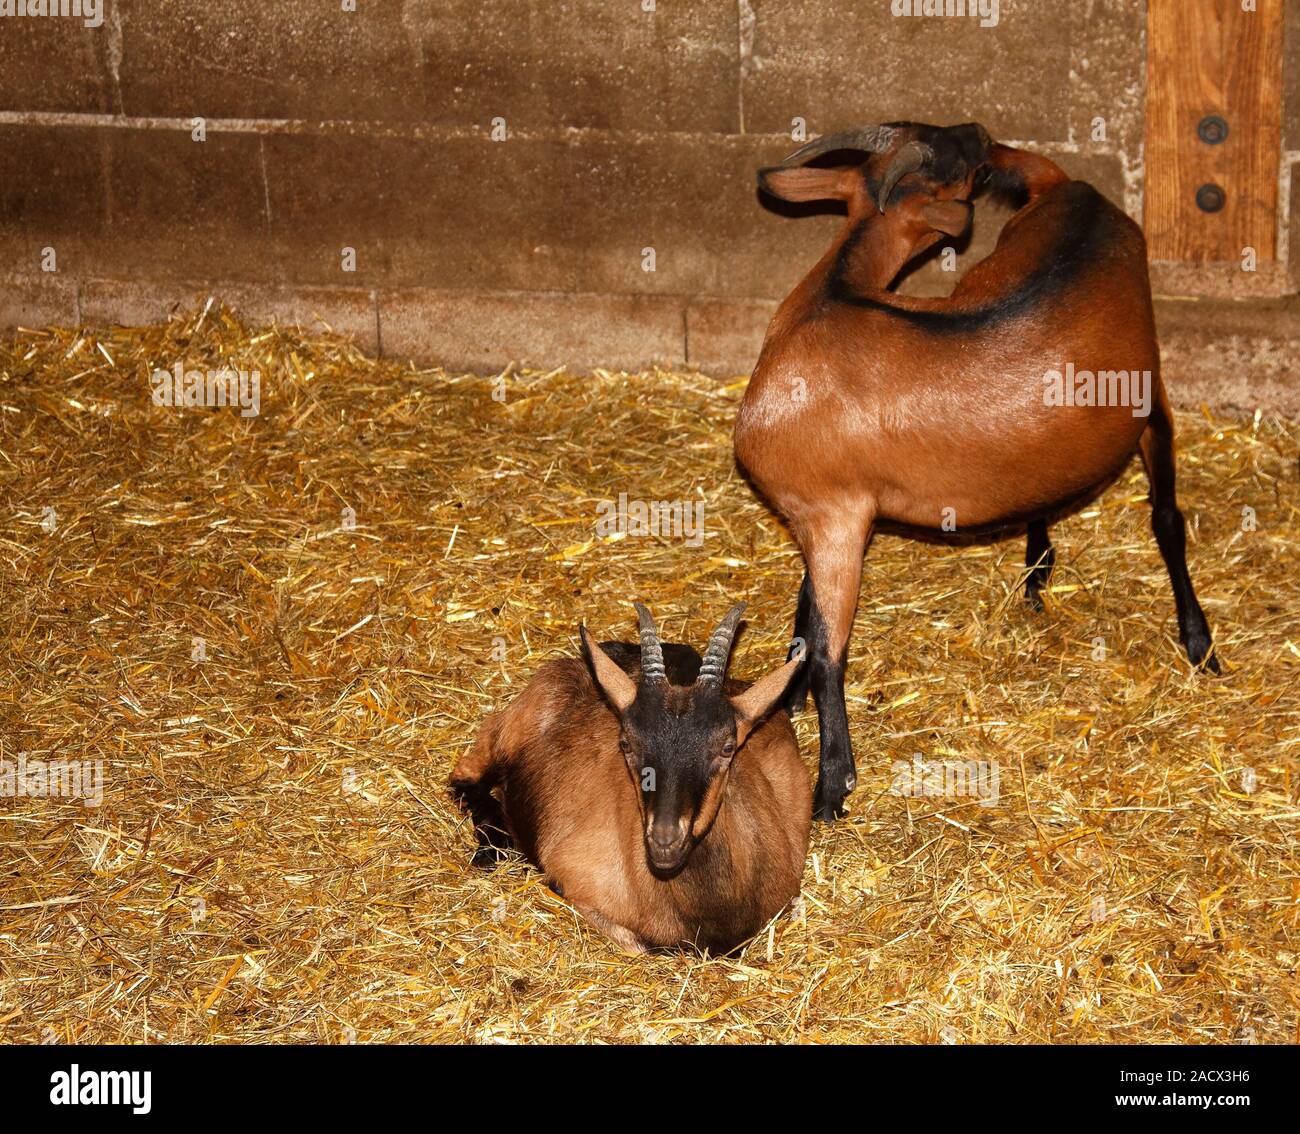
[275, 857]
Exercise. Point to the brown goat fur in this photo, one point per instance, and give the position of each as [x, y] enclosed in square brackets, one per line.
[547, 776]
[870, 409]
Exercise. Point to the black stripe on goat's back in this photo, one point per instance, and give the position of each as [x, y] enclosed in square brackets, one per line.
[1085, 220]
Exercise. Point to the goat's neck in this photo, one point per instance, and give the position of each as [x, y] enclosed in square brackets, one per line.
[869, 252]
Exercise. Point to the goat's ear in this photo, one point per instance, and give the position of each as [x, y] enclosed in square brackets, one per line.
[804, 183]
[754, 703]
[950, 217]
[617, 686]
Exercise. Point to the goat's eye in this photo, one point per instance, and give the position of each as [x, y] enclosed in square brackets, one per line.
[623, 746]
[729, 748]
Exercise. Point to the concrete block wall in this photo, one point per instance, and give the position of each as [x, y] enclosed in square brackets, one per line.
[502, 169]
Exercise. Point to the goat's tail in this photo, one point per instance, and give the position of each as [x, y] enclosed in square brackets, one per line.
[481, 766]
[472, 780]
[1019, 176]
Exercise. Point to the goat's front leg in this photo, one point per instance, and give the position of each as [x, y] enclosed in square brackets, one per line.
[796, 694]
[623, 937]
[834, 554]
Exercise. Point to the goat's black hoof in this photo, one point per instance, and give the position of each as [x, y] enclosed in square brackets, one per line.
[1034, 599]
[827, 807]
[1200, 652]
[487, 858]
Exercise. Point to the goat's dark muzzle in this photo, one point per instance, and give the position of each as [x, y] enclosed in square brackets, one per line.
[975, 144]
[666, 852]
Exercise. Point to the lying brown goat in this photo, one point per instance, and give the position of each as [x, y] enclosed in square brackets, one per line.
[659, 798]
[869, 409]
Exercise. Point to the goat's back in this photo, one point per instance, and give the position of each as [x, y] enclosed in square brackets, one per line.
[918, 406]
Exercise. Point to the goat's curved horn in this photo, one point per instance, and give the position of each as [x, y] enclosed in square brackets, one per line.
[873, 139]
[714, 666]
[909, 159]
[652, 652]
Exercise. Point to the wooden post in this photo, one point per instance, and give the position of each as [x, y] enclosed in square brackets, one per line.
[1213, 129]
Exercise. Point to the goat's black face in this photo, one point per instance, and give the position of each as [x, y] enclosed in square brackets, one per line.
[678, 741]
[902, 162]
[958, 150]
[955, 154]
[678, 744]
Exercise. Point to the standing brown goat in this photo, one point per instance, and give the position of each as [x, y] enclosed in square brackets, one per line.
[660, 799]
[868, 409]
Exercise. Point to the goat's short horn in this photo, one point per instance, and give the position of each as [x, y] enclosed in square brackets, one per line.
[652, 652]
[714, 666]
[873, 139]
[909, 159]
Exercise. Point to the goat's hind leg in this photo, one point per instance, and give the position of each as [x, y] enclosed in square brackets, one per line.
[489, 823]
[1157, 445]
[1040, 558]
[472, 781]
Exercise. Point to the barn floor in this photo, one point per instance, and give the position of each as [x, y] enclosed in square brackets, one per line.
[275, 858]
